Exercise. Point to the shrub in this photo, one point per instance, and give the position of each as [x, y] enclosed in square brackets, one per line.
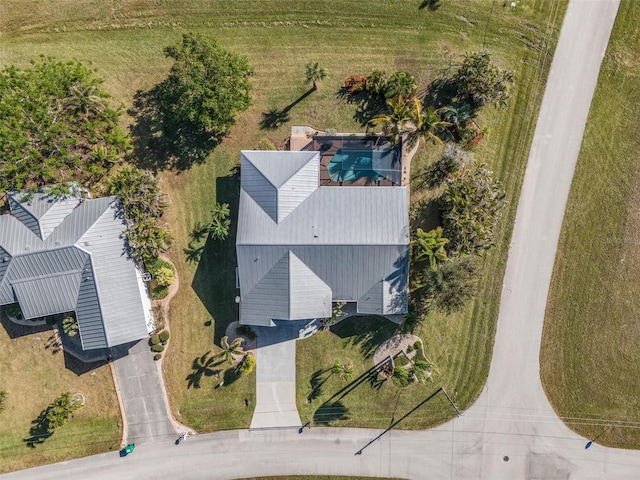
[159, 292]
[248, 364]
[401, 377]
[165, 276]
[13, 310]
[154, 340]
[354, 84]
[157, 356]
[3, 395]
[70, 326]
[410, 348]
[246, 331]
[266, 144]
[164, 336]
[157, 348]
[155, 265]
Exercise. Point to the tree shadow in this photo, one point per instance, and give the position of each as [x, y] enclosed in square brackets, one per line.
[431, 5]
[315, 382]
[330, 412]
[158, 146]
[366, 332]
[201, 367]
[368, 105]
[274, 118]
[215, 279]
[40, 430]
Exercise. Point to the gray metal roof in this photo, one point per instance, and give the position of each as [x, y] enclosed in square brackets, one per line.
[276, 187]
[81, 266]
[349, 239]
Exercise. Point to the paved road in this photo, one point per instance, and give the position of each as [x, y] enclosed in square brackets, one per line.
[140, 385]
[512, 416]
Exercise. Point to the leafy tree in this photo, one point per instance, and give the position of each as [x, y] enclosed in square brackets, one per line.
[451, 286]
[482, 82]
[61, 410]
[70, 326]
[313, 73]
[471, 207]
[56, 126]
[430, 246]
[206, 88]
[220, 221]
[453, 160]
[230, 349]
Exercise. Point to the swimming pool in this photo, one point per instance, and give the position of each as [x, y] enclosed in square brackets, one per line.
[349, 165]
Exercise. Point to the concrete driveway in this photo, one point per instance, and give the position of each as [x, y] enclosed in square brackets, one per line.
[142, 394]
[276, 376]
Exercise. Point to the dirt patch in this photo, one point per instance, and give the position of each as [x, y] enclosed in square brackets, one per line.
[393, 346]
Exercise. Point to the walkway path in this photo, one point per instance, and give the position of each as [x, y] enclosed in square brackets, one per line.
[511, 432]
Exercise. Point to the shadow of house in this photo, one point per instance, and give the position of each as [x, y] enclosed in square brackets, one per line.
[215, 279]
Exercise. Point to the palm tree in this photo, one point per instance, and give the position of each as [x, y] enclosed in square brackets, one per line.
[407, 118]
[220, 223]
[430, 246]
[83, 99]
[344, 370]
[425, 123]
[313, 73]
[395, 122]
[230, 349]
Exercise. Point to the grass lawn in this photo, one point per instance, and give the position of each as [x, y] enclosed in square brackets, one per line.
[590, 362]
[125, 43]
[33, 376]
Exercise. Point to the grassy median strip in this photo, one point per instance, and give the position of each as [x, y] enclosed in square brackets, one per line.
[590, 360]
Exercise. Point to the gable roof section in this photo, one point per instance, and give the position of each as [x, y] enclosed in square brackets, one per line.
[277, 183]
[47, 295]
[42, 212]
[290, 290]
[115, 280]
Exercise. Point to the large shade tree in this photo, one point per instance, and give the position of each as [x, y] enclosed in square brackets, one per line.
[56, 125]
[206, 88]
[483, 82]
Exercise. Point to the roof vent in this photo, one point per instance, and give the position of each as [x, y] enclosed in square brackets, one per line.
[5, 259]
[27, 248]
[57, 242]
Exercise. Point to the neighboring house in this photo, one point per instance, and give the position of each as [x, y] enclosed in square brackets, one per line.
[302, 246]
[63, 254]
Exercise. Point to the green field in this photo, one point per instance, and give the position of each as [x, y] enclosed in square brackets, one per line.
[590, 360]
[124, 42]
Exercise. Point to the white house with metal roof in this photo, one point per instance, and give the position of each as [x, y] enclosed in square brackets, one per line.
[302, 246]
[65, 254]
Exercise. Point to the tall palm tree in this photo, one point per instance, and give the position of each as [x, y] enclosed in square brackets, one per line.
[430, 246]
[230, 349]
[313, 73]
[425, 123]
[406, 118]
